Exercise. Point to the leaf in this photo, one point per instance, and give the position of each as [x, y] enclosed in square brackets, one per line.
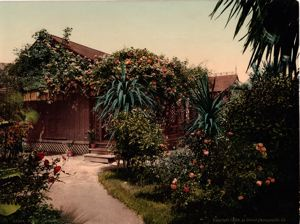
[9, 173]
[8, 209]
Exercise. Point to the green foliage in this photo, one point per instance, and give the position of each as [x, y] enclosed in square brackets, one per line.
[8, 209]
[166, 80]
[124, 95]
[137, 139]
[268, 112]
[207, 106]
[175, 165]
[265, 112]
[273, 29]
[219, 180]
[145, 200]
[11, 105]
[42, 214]
[24, 175]
[27, 188]
[48, 66]
[5, 208]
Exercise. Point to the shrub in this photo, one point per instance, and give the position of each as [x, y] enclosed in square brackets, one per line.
[137, 140]
[268, 112]
[35, 176]
[24, 175]
[221, 178]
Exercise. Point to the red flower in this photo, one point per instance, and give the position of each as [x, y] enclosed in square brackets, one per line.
[57, 169]
[40, 155]
[51, 179]
[268, 182]
[173, 186]
[46, 162]
[186, 189]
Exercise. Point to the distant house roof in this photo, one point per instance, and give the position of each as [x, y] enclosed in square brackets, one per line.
[80, 49]
[222, 82]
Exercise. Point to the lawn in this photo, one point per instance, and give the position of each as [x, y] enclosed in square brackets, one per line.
[146, 200]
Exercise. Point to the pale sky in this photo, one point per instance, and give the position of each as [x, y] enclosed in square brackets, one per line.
[172, 28]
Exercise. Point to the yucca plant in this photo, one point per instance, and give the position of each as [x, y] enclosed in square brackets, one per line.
[207, 107]
[124, 95]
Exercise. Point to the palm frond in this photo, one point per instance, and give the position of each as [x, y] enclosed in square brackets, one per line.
[272, 29]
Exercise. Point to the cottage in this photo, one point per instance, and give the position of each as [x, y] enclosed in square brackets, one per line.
[68, 119]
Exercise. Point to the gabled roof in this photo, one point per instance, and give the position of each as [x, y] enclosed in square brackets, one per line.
[222, 82]
[80, 49]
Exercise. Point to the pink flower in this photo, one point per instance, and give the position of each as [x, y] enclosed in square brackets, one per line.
[192, 175]
[174, 181]
[259, 183]
[205, 152]
[241, 197]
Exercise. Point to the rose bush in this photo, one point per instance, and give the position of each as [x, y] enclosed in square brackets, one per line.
[222, 177]
[164, 79]
[25, 173]
[268, 112]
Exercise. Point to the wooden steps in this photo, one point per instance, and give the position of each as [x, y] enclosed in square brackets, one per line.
[92, 157]
[100, 151]
[100, 154]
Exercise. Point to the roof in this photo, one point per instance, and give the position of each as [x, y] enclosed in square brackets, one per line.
[80, 49]
[223, 82]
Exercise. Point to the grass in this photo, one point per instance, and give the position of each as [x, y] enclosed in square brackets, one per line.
[146, 200]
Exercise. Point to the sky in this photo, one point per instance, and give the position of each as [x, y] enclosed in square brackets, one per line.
[180, 29]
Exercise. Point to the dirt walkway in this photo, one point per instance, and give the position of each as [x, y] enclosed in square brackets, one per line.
[83, 193]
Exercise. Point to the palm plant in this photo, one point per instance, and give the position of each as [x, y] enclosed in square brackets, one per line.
[124, 95]
[273, 29]
[207, 107]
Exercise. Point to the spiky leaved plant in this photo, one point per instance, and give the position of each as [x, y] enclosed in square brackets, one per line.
[272, 29]
[124, 95]
[207, 107]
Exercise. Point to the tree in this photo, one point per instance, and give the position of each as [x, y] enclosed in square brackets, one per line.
[272, 29]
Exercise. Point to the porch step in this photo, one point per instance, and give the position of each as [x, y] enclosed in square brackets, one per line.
[99, 158]
[103, 144]
[99, 151]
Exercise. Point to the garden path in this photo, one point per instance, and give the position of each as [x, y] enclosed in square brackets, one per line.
[82, 195]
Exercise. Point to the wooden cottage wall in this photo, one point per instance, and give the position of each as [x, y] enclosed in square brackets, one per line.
[61, 120]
